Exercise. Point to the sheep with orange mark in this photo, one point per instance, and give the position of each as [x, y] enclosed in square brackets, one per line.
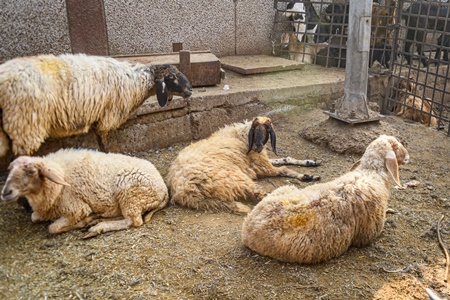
[215, 173]
[75, 188]
[50, 96]
[322, 221]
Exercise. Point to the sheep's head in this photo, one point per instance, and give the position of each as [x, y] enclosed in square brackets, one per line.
[259, 134]
[406, 84]
[388, 151]
[170, 82]
[26, 176]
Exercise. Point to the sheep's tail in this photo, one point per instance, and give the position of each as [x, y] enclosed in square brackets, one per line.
[212, 204]
[4, 142]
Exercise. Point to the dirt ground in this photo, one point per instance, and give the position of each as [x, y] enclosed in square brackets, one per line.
[186, 254]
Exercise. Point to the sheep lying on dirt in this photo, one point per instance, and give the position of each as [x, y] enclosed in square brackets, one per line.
[75, 188]
[212, 174]
[411, 107]
[57, 96]
[322, 221]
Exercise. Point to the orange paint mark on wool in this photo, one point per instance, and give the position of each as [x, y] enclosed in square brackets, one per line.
[53, 66]
[300, 217]
[300, 220]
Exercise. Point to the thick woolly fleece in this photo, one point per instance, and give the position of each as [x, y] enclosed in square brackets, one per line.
[56, 96]
[322, 221]
[109, 185]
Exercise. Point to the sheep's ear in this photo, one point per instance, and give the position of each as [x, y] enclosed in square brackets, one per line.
[356, 164]
[392, 166]
[52, 175]
[251, 133]
[273, 140]
[161, 92]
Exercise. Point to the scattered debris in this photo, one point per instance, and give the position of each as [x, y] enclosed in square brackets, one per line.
[443, 248]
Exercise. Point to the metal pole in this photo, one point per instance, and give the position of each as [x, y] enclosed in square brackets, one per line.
[352, 107]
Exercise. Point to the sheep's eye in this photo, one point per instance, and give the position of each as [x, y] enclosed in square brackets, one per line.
[30, 172]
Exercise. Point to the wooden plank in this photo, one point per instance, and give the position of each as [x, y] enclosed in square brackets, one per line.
[203, 67]
[255, 64]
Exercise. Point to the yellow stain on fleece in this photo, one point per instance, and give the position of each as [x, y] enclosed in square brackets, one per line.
[301, 216]
[53, 66]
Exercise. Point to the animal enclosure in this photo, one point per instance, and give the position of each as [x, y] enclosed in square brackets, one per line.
[409, 44]
[418, 85]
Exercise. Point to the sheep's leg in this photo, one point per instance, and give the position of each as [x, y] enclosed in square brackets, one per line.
[271, 171]
[101, 140]
[292, 161]
[99, 219]
[64, 225]
[283, 171]
[108, 226]
[149, 214]
[255, 195]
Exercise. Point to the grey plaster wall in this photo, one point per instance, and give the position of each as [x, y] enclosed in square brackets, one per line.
[33, 26]
[152, 26]
[226, 27]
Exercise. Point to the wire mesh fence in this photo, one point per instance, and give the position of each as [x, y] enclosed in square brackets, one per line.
[409, 43]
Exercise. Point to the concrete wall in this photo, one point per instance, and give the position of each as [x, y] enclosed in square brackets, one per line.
[29, 27]
[226, 27]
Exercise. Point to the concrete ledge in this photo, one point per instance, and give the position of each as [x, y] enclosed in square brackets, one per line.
[210, 108]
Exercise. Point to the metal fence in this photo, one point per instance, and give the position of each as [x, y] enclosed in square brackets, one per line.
[409, 43]
[418, 85]
[316, 32]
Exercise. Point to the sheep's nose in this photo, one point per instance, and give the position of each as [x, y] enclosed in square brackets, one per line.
[406, 160]
[6, 193]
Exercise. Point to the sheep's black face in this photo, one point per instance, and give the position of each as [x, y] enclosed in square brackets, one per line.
[259, 135]
[177, 83]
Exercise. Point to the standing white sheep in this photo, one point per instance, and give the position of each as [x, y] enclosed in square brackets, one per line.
[74, 188]
[322, 221]
[50, 96]
[214, 173]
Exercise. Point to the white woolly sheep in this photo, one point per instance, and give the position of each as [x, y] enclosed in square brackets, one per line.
[322, 221]
[50, 96]
[214, 173]
[75, 188]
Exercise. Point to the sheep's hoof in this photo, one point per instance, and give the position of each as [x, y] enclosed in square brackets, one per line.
[309, 178]
[313, 163]
[90, 234]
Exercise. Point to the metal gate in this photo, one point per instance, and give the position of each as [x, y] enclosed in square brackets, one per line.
[410, 41]
[420, 68]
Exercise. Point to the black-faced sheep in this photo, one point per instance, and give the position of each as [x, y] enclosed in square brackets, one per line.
[76, 187]
[212, 174]
[57, 96]
[323, 220]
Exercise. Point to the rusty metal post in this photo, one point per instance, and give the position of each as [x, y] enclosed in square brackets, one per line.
[352, 107]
